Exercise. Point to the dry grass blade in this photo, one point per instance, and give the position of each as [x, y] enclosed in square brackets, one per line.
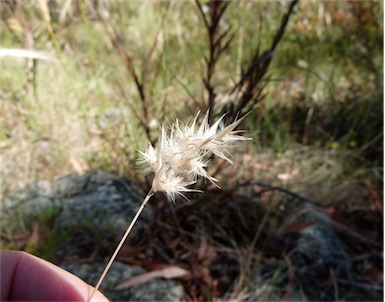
[25, 53]
[170, 272]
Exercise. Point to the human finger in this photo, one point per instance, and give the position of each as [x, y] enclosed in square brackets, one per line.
[26, 277]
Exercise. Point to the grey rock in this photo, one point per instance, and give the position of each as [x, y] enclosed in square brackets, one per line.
[93, 210]
[319, 241]
[153, 290]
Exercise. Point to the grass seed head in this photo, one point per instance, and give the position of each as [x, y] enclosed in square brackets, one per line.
[183, 151]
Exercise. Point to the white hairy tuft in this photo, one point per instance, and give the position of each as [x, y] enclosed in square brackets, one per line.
[183, 151]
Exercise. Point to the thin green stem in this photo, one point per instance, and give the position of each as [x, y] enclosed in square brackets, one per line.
[149, 195]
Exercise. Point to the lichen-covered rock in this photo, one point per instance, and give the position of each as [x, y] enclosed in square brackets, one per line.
[92, 210]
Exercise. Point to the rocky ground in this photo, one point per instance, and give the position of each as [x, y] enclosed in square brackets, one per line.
[280, 244]
[93, 211]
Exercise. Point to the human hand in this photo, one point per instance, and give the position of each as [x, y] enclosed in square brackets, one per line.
[27, 278]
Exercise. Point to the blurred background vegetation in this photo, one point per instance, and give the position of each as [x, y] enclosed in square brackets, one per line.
[113, 71]
[321, 97]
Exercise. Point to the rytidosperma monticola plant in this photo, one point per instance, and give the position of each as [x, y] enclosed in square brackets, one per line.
[180, 158]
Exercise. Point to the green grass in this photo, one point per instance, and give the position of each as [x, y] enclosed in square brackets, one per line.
[50, 239]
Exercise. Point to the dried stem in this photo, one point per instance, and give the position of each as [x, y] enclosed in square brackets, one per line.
[128, 61]
[139, 83]
[149, 195]
[218, 43]
[250, 85]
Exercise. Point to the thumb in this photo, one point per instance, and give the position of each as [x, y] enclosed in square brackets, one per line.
[26, 277]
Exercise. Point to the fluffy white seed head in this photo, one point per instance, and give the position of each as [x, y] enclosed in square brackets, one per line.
[182, 154]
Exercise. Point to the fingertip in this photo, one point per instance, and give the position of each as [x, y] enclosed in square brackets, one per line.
[26, 277]
[97, 297]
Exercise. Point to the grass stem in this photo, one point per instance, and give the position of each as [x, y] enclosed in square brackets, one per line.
[144, 202]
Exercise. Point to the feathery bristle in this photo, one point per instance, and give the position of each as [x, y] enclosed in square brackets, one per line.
[182, 154]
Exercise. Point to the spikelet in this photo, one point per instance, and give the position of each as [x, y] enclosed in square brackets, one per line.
[183, 151]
